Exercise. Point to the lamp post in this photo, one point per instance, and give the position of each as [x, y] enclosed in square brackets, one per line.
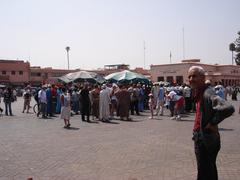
[67, 49]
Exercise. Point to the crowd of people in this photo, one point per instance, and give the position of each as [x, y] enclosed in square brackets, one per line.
[104, 102]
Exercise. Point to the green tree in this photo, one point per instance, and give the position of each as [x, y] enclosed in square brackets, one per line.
[237, 43]
[235, 46]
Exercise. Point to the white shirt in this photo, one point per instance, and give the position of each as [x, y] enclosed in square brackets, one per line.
[187, 92]
[173, 96]
[42, 96]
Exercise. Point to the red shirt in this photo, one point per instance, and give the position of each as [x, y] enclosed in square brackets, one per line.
[198, 116]
[53, 91]
[198, 96]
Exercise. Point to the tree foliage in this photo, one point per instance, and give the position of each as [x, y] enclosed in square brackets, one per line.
[235, 46]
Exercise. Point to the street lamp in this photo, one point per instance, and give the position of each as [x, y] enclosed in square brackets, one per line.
[67, 49]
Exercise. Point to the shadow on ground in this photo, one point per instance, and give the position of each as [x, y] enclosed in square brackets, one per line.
[225, 129]
[72, 128]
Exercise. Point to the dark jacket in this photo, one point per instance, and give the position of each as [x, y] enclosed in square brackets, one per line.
[214, 109]
[8, 96]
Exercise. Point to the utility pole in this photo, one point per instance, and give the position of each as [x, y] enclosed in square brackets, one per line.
[144, 54]
[183, 43]
[170, 56]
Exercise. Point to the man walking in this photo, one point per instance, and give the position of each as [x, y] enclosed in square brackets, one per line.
[210, 111]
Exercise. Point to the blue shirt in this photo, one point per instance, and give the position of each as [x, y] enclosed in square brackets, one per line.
[161, 94]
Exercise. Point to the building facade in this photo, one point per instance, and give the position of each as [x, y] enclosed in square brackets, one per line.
[20, 73]
[47, 75]
[14, 72]
[178, 73]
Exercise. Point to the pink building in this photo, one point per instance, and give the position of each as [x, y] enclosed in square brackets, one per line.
[19, 73]
[177, 73]
[47, 75]
[14, 72]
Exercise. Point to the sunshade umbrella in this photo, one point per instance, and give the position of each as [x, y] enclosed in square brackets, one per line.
[82, 76]
[64, 79]
[126, 77]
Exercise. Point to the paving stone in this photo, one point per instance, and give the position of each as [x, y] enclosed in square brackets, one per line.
[153, 149]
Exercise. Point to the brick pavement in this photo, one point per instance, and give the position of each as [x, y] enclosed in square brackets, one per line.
[158, 149]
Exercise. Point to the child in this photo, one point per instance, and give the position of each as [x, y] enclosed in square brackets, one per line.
[151, 104]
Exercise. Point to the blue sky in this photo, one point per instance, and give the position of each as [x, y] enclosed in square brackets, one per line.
[103, 32]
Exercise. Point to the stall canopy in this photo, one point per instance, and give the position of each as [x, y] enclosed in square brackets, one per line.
[127, 77]
[82, 76]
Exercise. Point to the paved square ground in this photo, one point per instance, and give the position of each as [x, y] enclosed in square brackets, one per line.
[145, 149]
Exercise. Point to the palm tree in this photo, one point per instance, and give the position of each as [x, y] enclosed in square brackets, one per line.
[68, 49]
[237, 59]
[232, 47]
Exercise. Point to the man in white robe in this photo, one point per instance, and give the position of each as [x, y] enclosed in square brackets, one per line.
[104, 102]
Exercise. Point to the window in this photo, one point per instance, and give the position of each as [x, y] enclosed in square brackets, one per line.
[20, 72]
[4, 72]
[13, 72]
[36, 74]
[179, 80]
[170, 79]
[160, 78]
